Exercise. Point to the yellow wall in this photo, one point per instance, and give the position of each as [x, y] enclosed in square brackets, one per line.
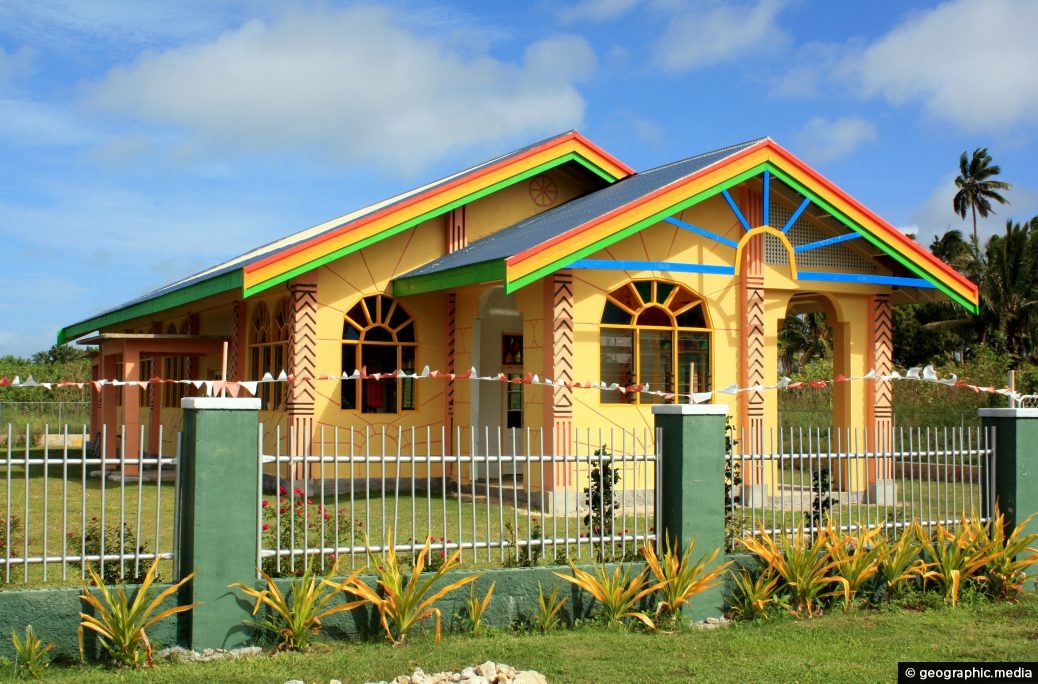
[346, 281]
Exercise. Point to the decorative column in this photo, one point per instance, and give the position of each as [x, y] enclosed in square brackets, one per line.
[557, 477]
[452, 329]
[302, 360]
[879, 405]
[237, 344]
[751, 365]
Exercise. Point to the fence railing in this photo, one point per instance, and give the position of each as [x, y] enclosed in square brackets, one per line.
[811, 478]
[58, 515]
[499, 497]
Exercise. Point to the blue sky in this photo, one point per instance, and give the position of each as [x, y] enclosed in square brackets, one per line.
[143, 141]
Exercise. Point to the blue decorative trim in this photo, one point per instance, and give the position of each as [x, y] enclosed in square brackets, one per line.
[702, 231]
[865, 278]
[825, 243]
[796, 215]
[766, 209]
[625, 265]
[735, 210]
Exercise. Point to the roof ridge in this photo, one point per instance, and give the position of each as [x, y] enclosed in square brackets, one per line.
[720, 150]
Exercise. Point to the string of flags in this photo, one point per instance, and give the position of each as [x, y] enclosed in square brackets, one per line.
[234, 388]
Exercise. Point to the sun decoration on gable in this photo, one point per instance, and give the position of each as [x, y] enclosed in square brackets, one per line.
[785, 237]
[543, 190]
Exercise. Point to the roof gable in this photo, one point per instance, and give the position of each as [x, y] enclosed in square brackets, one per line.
[281, 260]
[562, 237]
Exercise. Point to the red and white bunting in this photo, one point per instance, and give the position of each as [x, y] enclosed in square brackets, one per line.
[237, 387]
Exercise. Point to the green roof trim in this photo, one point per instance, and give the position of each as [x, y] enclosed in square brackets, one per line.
[473, 274]
[631, 230]
[432, 213]
[207, 288]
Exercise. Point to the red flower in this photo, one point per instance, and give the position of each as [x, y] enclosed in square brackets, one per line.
[265, 503]
[282, 490]
[266, 526]
[298, 491]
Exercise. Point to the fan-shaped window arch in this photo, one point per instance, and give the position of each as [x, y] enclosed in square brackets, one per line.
[378, 335]
[654, 332]
[268, 350]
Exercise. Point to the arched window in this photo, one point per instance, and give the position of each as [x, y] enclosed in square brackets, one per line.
[268, 351]
[378, 335]
[650, 329]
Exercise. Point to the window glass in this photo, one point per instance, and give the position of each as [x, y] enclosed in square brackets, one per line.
[654, 333]
[379, 337]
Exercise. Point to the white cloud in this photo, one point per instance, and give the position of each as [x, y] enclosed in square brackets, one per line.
[822, 140]
[724, 33]
[650, 131]
[596, 10]
[352, 85]
[32, 124]
[970, 63]
[934, 216]
[815, 65]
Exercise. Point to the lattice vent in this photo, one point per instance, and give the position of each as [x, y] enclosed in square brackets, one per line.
[838, 256]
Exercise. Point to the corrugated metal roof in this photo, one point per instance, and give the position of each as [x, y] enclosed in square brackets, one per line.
[270, 248]
[556, 221]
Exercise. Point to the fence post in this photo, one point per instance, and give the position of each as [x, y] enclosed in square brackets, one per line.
[1016, 462]
[692, 484]
[219, 472]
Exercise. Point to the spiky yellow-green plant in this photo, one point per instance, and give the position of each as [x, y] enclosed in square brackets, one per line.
[954, 557]
[477, 607]
[295, 618]
[680, 577]
[752, 594]
[855, 559]
[548, 608]
[401, 600]
[618, 593]
[1011, 555]
[800, 560]
[121, 623]
[30, 655]
[899, 562]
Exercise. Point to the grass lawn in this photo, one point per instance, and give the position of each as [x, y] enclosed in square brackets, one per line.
[861, 646]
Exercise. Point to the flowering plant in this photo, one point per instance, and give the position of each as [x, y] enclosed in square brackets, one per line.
[296, 522]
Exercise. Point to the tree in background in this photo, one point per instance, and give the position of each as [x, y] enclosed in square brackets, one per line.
[804, 338]
[978, 186]
[1009, 289]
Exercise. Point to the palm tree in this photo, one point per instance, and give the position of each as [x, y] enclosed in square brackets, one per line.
[952, 249]
[803, 338]
[1009, 294]
[977, 186]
